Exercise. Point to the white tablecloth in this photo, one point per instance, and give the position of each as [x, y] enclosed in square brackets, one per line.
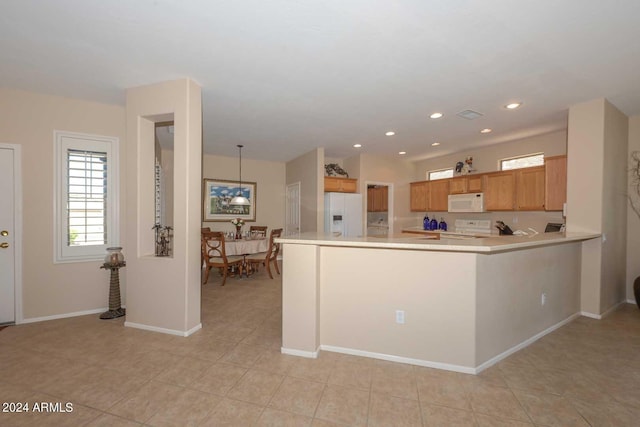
[241, 247]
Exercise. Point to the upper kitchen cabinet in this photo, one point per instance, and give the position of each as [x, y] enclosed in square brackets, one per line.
[377, 199]
[439, 195]
[555, 182]
[465, 184]
[340, 185]
[500, 191]
[419, 196]
[530, 188]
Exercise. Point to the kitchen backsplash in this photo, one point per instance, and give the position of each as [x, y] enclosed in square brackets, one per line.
[377, 218]
[516, 220]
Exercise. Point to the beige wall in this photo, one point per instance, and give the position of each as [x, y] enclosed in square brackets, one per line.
[596, 188]
[487, 159]
[633, 219]
[463, 311]
[509, 290]
[29, 119]
[308, 169]
[394, 171]
[164, 292]
[270, 190]
[361, 289]
[614, 208]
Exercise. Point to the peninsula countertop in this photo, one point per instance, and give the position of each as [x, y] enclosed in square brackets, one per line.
[418, 242]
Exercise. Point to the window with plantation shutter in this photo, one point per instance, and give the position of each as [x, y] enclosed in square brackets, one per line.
[86, 172]
[86, 198]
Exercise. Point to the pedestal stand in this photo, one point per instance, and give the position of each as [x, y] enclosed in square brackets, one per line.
[115, 310]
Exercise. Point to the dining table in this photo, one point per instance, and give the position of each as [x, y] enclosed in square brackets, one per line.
[246, 246]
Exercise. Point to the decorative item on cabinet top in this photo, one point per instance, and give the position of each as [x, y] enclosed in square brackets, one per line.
[334, 169]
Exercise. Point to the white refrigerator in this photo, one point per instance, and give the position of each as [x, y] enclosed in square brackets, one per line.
[343, 214]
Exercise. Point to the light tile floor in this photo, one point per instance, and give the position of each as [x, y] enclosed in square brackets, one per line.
[231, 373]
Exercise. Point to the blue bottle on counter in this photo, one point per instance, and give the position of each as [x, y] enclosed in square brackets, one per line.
[425, 222]
[434, 224]
[443, 225]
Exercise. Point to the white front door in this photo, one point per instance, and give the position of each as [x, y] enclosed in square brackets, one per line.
[292, 220]
[7, 233]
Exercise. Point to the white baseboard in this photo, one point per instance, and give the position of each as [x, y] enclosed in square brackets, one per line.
[631, 301]
[63, 316]
[431, 364]
[301, 353]
[590, 315]
[164, 330]
[400, 359]
[606, 313]
[524, 343]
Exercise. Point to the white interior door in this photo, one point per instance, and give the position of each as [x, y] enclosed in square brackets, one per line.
[292, 220]
[7, 233]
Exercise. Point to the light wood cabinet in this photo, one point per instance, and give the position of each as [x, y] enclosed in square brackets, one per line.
[499, 191]
[419, 196]
[465, 184]
[458, 185]
[474, 184]
[377, 199]
[429, 196]
[340, 185]
[530, 188]
[555, 182]
[439, 195]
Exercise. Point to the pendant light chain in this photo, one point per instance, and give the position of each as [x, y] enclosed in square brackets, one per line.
[240, 149]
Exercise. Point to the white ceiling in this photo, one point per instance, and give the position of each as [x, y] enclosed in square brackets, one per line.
[285, 76]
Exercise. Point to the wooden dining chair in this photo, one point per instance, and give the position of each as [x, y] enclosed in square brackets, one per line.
[266, 258]
[215, 256]
[203, 230]
[258, 230]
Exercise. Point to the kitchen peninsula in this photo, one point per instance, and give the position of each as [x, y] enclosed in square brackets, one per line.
[459, 305]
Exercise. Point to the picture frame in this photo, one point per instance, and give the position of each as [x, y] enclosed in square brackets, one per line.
[216, 195]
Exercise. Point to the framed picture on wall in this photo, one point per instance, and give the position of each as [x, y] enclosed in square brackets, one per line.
[216, 198]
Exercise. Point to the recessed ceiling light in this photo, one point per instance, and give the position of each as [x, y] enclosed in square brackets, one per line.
[435, 144]
[513, 105]
[390, 133]
[436, 115]
[357, 145]
[486, 130]
[402, 152]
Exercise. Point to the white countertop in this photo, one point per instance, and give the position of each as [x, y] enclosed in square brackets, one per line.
[408, 241]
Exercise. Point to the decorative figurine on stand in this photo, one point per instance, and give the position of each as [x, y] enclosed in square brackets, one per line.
[114, 261]
[467, 168]
[163, 240]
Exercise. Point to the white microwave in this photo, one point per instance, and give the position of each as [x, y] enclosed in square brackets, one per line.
[471, 202]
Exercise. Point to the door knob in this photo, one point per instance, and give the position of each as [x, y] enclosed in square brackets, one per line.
[4, 245]
[4, 233]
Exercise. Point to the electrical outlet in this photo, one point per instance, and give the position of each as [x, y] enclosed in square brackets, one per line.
[400, 317]
[543, 298]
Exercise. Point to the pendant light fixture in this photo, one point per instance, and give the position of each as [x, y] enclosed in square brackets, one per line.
[239, 199]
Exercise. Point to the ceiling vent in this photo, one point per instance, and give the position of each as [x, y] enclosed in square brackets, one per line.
[469, 114]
